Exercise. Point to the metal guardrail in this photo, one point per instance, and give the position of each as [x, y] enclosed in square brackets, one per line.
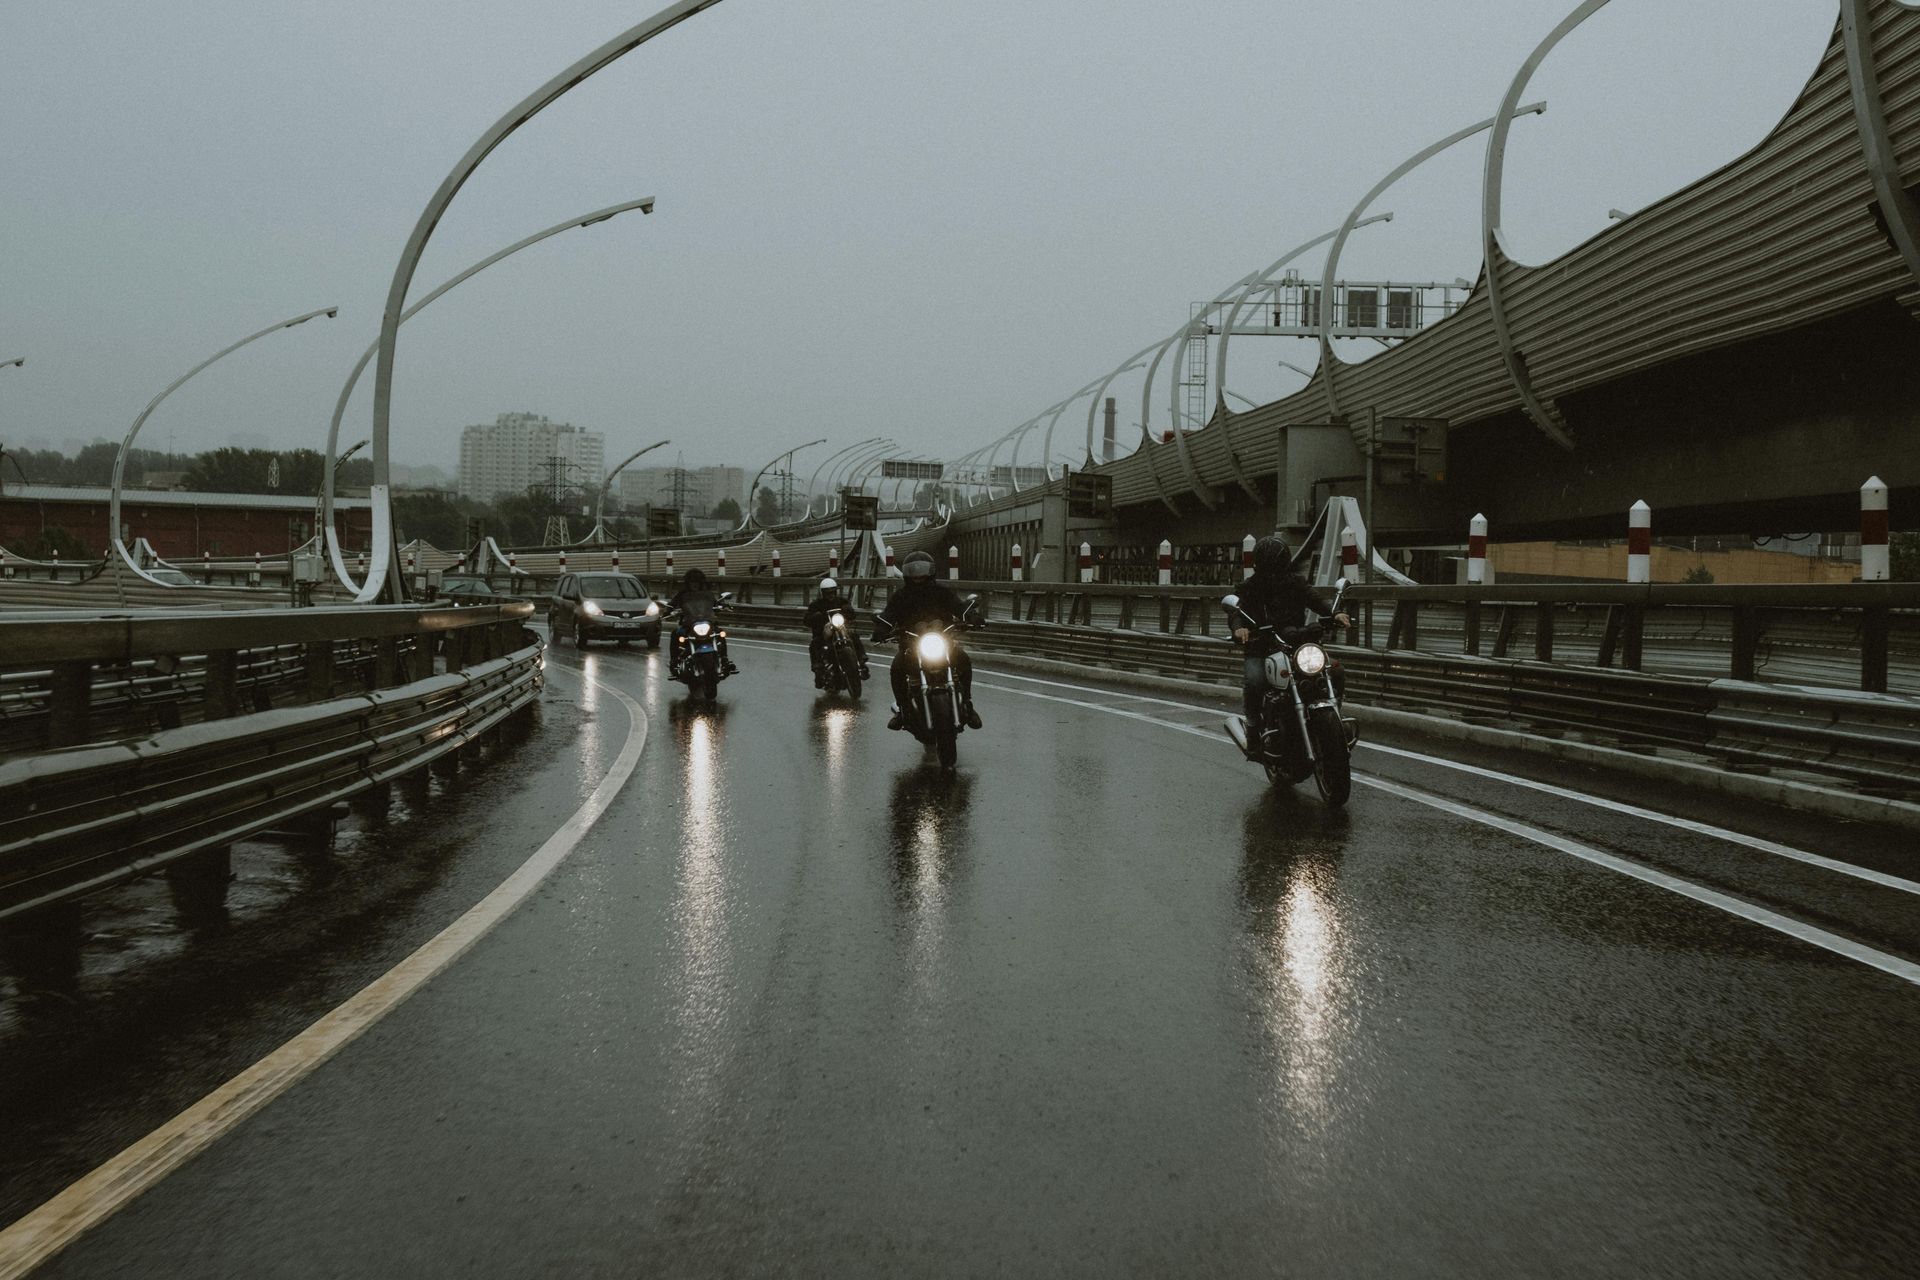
[295, 711]
[1858, 635]
[1863, 739]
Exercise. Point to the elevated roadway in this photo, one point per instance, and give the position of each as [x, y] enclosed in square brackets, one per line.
[786, 1000]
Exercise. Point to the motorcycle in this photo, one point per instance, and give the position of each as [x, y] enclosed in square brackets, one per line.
[701, 669]
[1302, 731]
[841, 666]
[933, 712]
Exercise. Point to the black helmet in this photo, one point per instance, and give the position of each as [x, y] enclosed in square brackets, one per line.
[917, 565]
[1270, 555]
[695, 579]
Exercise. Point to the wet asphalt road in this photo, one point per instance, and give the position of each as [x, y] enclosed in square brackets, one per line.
[1100, 1004]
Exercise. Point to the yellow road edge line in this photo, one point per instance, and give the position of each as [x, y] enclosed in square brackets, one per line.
[42, 1233]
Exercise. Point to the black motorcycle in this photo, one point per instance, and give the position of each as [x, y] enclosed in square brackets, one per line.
[932, 711]
[1302, 731]
[701, 668]
[841, 663]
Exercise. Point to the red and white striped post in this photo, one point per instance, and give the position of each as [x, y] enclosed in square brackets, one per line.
[1017, 564]
[1246, 556]
[1476, 550]
[776, 562]
[720, 568]
[833, 562]
[1166, 562]
[410, 563]
[669, 561]
[206, 563]
[563, 562]
[360, 565]
[889, 558]
[56, 562]
[1086, 562]
[1875, 562]
[1640, 543]
[953, 564]
[256, 566]
[1349, 554]
[513, 562]
[616, 557]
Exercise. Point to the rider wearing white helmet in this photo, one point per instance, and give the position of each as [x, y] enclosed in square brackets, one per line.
[828, 601]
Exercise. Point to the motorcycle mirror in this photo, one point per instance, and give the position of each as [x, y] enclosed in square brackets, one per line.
[1230, 600]
[1341, 584]
[725, 596]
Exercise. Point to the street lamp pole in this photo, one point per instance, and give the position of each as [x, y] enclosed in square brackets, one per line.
[644, 205]
[115, 545]
[600, 505]
[754, 488]
[384, 572]
[843, 470]
[814, 479]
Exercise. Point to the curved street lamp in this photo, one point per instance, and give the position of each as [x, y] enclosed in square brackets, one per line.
[384, 572]
[1329, 363]
[600, 503]
[14, 363]
[755, 486]
[1246, 296]
[115, 544]
[814, 479]
[842, 472]
[644, 205]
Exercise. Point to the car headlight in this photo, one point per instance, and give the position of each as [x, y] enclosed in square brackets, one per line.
[1309, 659]
[837, 619]
[702, 628]
[933, 647]
[593, 610]
[653, 610]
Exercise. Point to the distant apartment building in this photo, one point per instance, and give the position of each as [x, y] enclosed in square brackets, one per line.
[509, 455]
[699, 489]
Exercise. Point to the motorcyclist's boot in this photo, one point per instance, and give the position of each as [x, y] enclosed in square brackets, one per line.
[971, 716]
[897, 720]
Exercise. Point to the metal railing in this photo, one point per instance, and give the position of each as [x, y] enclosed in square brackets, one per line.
[1867, 740]
[157, 735]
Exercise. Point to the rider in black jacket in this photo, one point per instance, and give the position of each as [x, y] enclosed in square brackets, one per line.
[831, 600]
[918, 602]
[696, 601]
[1278, 597]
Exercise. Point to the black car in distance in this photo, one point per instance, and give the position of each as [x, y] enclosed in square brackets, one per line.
[603, 605]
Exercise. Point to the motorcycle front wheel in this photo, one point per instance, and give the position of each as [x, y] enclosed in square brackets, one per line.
[1332, 766]
[945, 733]
[849, 671]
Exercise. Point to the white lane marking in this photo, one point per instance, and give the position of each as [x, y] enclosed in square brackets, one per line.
[1757, 843]
[1902, 969]
[44, 1232]
[1833, 942]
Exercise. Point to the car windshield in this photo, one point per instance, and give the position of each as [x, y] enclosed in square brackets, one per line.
[611, 587]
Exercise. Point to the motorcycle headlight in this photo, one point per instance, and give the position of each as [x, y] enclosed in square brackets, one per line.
[933, 647]
[653, 610]
[837, 619]
[1310, 659]
[702, 628]
[593, 610]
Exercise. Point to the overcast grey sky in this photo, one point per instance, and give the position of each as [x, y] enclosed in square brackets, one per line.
[929, 218]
